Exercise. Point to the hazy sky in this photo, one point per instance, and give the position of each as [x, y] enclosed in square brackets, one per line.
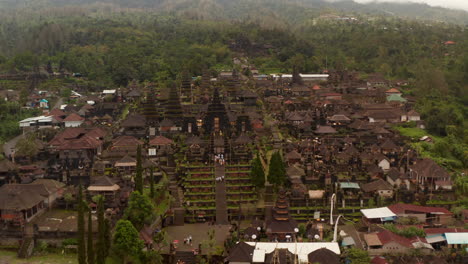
[461, 4]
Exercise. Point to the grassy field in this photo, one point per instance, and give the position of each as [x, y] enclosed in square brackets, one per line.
[414, 133]
[9, 257]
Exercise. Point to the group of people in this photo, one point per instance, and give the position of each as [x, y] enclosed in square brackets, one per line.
[219, 158]
[188, 240]
[220, 179]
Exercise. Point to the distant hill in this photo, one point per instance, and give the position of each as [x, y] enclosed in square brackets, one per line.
[279, 11]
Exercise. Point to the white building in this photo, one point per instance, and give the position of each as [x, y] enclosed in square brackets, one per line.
[73, 120]
[38, 122]
[305, 77]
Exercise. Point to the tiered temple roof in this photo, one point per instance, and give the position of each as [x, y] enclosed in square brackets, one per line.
[149, 108]
[173, 109]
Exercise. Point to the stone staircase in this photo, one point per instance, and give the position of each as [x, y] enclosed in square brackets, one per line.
[27, 245]
[221, 199]
[177, 193]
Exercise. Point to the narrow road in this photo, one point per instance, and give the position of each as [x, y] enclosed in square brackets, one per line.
[351, 231]
[58, 103]
[10, 145]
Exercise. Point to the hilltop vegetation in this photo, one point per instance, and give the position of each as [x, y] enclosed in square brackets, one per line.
[114, 42]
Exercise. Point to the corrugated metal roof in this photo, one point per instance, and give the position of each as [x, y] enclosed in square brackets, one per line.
[382, 212]
[349, 185]
[258, 256]
[435, 239]
[457, 238]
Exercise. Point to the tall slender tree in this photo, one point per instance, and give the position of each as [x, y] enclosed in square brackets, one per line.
[90, 245]
[101, 241]
[257, 174]
[81, 228]
[151, 179]
[276, 171]
[107, 237]
[139, 172]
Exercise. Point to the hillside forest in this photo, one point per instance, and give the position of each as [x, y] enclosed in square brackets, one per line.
[110, 45]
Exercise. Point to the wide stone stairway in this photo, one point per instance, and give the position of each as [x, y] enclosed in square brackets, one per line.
[221, 200]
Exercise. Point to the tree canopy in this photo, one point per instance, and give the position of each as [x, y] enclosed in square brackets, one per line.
[276, 170]
[126, 240]
[140, 209]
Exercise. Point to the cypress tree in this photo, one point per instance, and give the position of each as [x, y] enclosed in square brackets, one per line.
[81, 228]
[257, 174]
[101, 243]
[151, 182]
[107, 237]
[90, 251]
[276, 171]
[139, 172]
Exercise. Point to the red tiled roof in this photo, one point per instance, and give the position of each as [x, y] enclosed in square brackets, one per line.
[392, 90]
[76, 132]
[449, 42]
[379, 260]
[97, 132]
[160, 140]
[73, 118]
[57, 112]
[83, 142]
[126, 141]
[387, 237]
[316, 87]
[331, 94]
[429, 169]
[401, 208]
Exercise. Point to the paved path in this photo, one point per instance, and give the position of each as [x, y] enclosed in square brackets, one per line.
[10, 145]
[199, 233]
[350, 230]
[58, 103]
[221, 200]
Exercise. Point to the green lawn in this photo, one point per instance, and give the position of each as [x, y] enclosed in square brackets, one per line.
[414, 133]
[7, 256]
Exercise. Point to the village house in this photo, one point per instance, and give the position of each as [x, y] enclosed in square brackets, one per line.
[413, 116]
[432, 216]
[78, 143]
[134, 125]
[378, 187]
[73, 120]
[20, 203]
[426, 173]
[397, 178]
[106, 187]
[122, 146]
[377, 215]
[160, 146]
[387, 242]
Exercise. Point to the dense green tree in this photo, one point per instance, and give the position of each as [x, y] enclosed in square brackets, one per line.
[81, 227]
[357, 256]
[151, 181]
[140, 209]
[276, 170]
[257, 173]
[27, 146]
[90, 244]
[126, 241]
[101, 245]
[139, 171]
[107, 236]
